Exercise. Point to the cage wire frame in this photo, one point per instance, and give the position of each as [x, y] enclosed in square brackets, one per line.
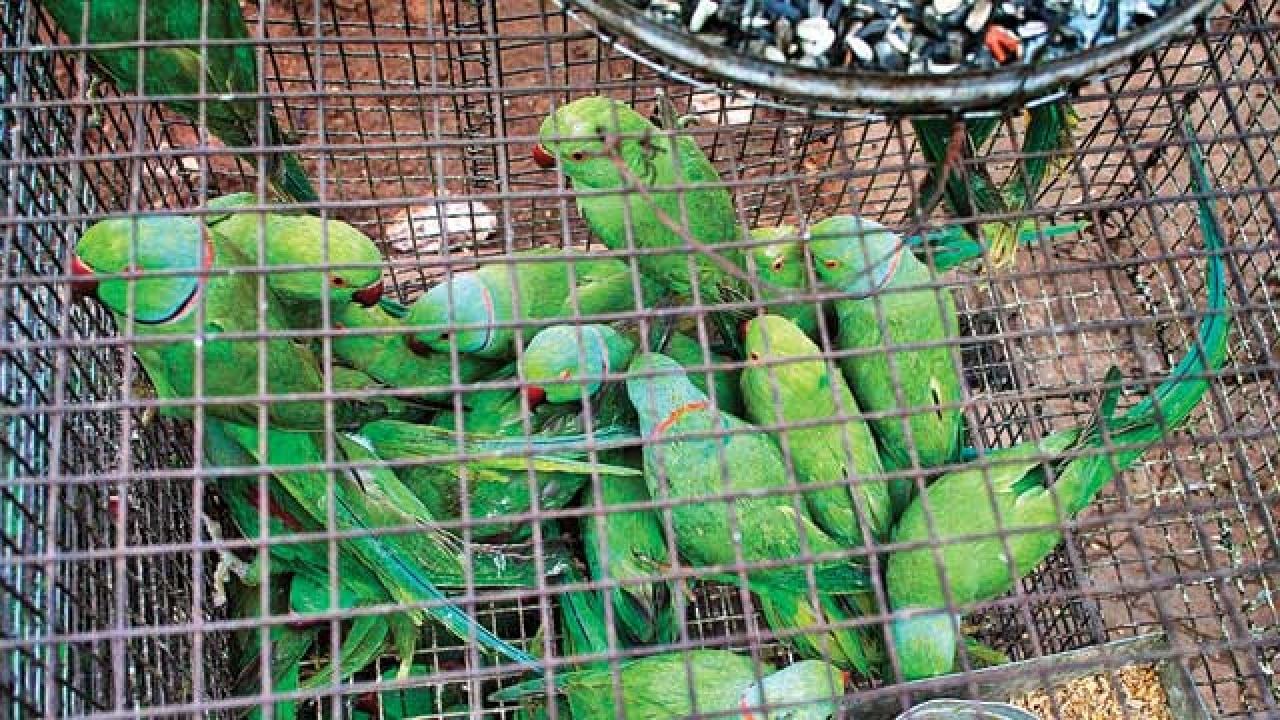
[410, 111]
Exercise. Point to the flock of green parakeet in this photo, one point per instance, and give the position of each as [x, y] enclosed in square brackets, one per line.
[808, 443]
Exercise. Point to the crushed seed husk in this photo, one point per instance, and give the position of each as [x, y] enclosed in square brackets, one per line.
[1094, 697]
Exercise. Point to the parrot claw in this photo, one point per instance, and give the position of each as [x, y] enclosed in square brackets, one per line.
[1003, 247]
[91, 93]
[228, 563]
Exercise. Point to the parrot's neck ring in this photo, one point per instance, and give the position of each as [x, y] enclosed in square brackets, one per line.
[186, 306]
[674, 416]
[891, 267]
[604, 353]
[487, 298]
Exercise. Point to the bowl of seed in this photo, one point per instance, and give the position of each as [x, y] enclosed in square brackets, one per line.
[897, 56]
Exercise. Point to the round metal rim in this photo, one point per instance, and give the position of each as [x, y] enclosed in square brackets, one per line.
[972, 91]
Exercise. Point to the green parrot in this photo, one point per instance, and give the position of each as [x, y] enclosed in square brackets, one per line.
[807, 690]
[307, 564]
[380, 345]
[989, 524]
[676, 685]
[564, 361]
[789, 387]
[478, 311]
[855, 255]
[363, 636]
[970, 191]
[183, 295]
[409, 565]
[208, 84]
[592, 140]
[288, 647]
[693, 455]
[624, 546]
[416, 701]
[326, 257]
[582, 623]
[184, 302]
[494, 480]
[780, 264]
[818, 628]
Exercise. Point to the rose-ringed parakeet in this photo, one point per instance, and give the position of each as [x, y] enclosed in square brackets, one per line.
[411, 566]
[208, 82]
[562, 362]
[287, 646]
[626, 544]
[308, 258]
[676, 685]
[790, 391]
[380, 345]
[694, 455]
[492, 478]
[166, 282]
[855, 255]
[780, 264]
[638, 187]
[306, 565]
[987, 525]
[478, 311]
[166, 293]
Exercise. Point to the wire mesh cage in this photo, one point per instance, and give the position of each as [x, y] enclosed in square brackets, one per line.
[131, 509]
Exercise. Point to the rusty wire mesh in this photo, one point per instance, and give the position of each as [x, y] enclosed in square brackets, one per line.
[402, 110]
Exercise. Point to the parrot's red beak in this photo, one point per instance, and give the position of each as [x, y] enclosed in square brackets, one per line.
[535, 395]
[846, 677]
[742, 329]
[369, 296]
[84, 282]
[545, 160]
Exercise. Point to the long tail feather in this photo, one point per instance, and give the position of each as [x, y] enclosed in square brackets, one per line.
[1173, 401]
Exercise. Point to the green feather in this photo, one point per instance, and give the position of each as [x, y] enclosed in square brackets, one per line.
[592, 139]
[1010, 491]
[790, 390]
[856, 255]
[207, 83]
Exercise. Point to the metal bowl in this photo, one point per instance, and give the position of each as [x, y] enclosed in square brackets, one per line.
[883, 92]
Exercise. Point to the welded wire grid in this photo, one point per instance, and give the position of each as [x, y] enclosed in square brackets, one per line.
[405, 110]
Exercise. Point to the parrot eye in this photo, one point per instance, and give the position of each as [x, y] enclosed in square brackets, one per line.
[577, 156]
[338, 281]
[444, 337]
[831, 264]
[753, 356]
[565, 374]
[777, 264]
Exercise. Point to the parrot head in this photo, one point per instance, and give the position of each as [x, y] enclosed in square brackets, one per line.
[559, 356]
[780, 263]
[769, 338]
[574, 137]
[807, 690]
[853, 254]
[925, 644]
[351, 260]
[164, 255]
[661, 392]
[462, 302]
